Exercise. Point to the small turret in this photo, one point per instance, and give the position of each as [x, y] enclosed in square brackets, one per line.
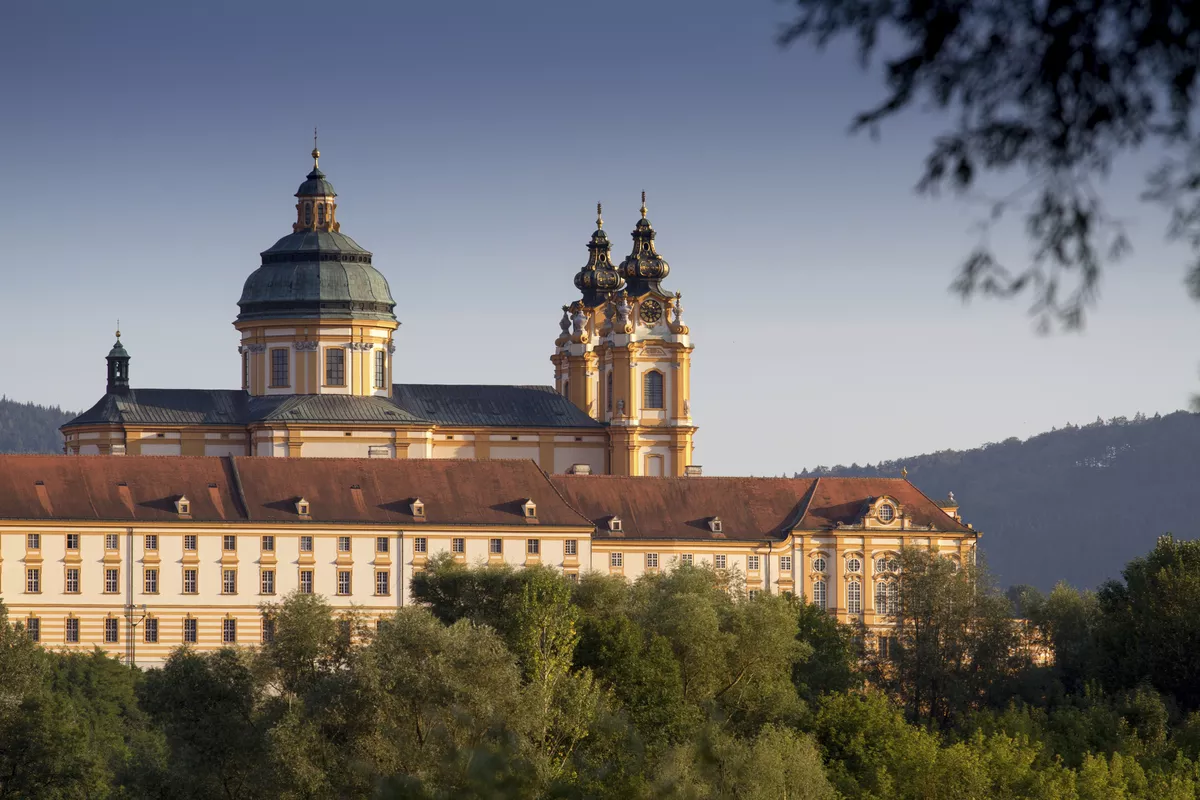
[118, 368]
[598, 277]
[643, 269]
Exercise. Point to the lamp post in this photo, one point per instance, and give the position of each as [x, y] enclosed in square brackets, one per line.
[133, 619]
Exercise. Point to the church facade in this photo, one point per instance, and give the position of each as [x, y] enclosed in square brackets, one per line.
[317, 324]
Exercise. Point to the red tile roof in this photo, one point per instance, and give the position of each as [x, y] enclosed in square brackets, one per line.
[749, 508]
[266, 489]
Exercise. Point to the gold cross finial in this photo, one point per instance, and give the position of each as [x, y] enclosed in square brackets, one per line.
[315, 153]
[118, 328]
[599, 217]
[643, 205]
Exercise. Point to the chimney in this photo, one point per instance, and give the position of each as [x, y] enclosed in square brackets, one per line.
[693, 471]
[580, 469]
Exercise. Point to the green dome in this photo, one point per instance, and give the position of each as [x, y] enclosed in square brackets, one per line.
[321, 274]
[316, 186]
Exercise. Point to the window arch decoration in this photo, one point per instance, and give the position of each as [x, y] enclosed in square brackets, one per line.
[854, 597]
[819, 564]
[854, 563]
[887, 563]
[820, 597]
[887, 512]
[652, 391]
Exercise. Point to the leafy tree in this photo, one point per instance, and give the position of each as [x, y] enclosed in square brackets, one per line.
[1055, 91]
[832, 665]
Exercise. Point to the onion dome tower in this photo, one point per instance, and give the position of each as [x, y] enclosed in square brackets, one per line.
[316, 317]
[598, 277]
[118, 368]
[643, 269]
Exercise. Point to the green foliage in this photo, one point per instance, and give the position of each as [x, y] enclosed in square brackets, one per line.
[29, 428]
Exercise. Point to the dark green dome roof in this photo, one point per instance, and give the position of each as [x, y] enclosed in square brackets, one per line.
[316, 185]
[321, 274]
[118, 349]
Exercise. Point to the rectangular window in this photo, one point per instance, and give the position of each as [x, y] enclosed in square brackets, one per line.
[652, 560]
[420, 544]
[686, 559]
[279, 367]
[150, 630]
[229, 543]
[306, 581]
[380, 369]
[381, 544]
[246, 371]
[533, 546]
[72, 541]
[189, 581]
[343, 544]
[189, 542]
[652, 389]
[573, 577]
[305, 544]
[383, 582]
[33, 580]
[229, 581]
[458, 545]
[151, 580]
[496, 546]
[268, 581]
[189, 631]
[72, 580]
[73, 629]
[112, 581]
[785, 563]
[268, 630]
[151, 541]
[111, 630]
[112, 541]
[571, 547]
[33, 626]
[751, 562]
[754, 594]
[854, 597]
[268, 544]
[616, 559]
[335, 366]
[343, 582]
[33, 541]
[229, 631]
[719, 562]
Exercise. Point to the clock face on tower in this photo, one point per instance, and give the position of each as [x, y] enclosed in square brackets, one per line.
[651, 311]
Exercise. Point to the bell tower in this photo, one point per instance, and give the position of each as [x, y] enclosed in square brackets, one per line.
[118, 368]
[624, 356]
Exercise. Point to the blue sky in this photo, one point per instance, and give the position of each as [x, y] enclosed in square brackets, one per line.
[151, 151]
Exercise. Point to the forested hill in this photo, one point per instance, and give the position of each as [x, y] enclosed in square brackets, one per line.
[26, 428]
[1073, 504]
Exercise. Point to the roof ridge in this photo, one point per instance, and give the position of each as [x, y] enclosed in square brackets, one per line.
[559, 495]
[934, 503]
[806, 503]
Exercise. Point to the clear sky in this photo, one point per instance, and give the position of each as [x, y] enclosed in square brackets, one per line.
[151, 151]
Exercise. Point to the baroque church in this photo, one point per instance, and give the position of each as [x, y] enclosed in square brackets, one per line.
[317, 323]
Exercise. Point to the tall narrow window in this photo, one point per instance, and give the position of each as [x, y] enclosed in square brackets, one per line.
[151, 580]
[343, 582]
[306, 581]
[383, 582]
[229, 581]
[33, 580]
[246, 371]
[652, 390]
[151, 541]
[880, 597]
[72, 580]
[279, 367]
[189, 581]
[112, 581]
[820, 598]
[893, 598]
[73, 629]
[229, 631]
[854, 597]
[608, 391]
[308, 214]
[380, 369]
[320, 213]
[150, 630]
[189, 631]
[33, 626]
[268, 630]
[111, 630]
[335, 366]
[268, 581]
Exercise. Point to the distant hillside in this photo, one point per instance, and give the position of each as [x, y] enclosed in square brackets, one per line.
[1073, 504]
[26, 428]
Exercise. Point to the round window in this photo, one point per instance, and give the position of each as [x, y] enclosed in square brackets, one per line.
[853, 565]
[886, 513]
[818, 564]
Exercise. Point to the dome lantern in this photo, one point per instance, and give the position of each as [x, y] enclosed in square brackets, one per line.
[598, 277]
[643, 269]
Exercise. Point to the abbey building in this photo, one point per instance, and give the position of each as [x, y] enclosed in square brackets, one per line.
[317, 323]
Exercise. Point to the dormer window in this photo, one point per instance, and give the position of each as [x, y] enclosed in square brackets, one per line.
[530, 509]
[183, 506]
[714, 525]
[614, 524]
[417, 508]
[302, 507]
[887, 512]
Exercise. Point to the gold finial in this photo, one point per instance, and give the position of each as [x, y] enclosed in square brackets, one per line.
[599, 218]
[904, 472]
[643, 205]
[315, 153]
[118, 328]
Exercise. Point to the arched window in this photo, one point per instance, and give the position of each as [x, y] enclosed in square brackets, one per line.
[854, 597]
[320, 213]
[308, 213]
[893, 598]
[881, 597]
[652, 390]
[608, 391]
[819, 597]
[566, 388]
